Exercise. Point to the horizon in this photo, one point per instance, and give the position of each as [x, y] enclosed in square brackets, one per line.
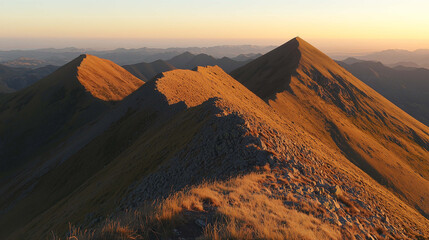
[348, 47]
[333, 26]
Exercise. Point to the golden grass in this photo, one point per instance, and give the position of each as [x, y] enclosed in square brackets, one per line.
[106, 80]
[362, 124]
[241, 208]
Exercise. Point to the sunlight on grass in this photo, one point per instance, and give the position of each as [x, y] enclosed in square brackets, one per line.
[240, 208]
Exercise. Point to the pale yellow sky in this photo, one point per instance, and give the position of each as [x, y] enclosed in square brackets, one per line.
[335, 25]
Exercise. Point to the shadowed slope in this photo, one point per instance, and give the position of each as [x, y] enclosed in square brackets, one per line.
[259, 77]
[147, 71]
[337, 108]
[51, 109]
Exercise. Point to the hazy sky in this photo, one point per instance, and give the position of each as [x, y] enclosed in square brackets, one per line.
[334, 25]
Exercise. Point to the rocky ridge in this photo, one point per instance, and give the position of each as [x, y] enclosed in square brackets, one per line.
[305, 174]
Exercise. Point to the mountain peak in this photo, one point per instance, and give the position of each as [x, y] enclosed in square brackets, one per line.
[310, 88]
[297, 39]
[104, 79]
[294, 59]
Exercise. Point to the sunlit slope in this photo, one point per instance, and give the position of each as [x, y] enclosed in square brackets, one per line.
[314, 92]
[106, 80]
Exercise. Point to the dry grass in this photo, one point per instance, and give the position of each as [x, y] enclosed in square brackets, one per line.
[258, 215]
[110, 231]
[241, 208]
[106, 80]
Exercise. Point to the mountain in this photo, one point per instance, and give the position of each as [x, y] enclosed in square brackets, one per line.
[246, 57]
[405, 64]
[4, 89]
[146, 71]
[181, 60]
[188, 60]
[13, 79]
[313, 91]
[121, 56]
[47, 111]
[216, 151]
[194, 153]
[6, 73]
[398, 57]
[351, 60]
[406, 87]
[24, 62]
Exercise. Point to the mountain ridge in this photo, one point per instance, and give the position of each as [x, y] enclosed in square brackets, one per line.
[188, 60]
[338, 108]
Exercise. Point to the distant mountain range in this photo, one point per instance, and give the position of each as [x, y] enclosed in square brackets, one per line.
[186, 60]
[26, 62]
[190, 61]
[126, 56]
[394, 57]
[13, 79]
[406, 87]
[146, 71]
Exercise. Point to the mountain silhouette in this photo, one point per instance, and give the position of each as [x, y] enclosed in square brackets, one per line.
[146, 71]
[188, 60]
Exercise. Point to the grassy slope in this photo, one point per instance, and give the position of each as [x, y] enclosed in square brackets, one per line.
[155, 144]
[316, 93]
[40, 118]
[105, 80]
[51, 108]
[100, 174]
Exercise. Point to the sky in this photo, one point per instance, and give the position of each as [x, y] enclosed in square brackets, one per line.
[332, 25]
